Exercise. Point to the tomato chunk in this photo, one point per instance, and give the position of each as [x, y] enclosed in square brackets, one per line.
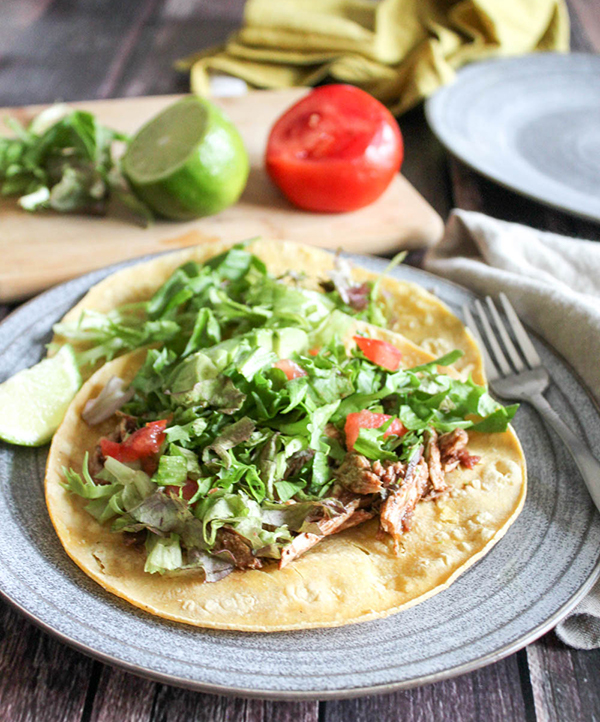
[187, 490]
[335, 150]
[379, 352]
[369, 420]
[111, 448]
[290, 368]
[142, 443]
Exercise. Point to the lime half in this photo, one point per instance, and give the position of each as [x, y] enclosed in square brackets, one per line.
[34, 401]
[188, 161]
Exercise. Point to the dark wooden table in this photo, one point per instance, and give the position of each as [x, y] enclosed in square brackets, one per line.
[81, 49]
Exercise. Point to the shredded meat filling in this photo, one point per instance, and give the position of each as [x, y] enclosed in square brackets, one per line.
[399, 505]
[239, 548]
[389, 472]
[468, 460]
[453, 450]
[401, 486]
[359, 476]
[434, 464]
[359, 516]
[356, 475]
[305, 541]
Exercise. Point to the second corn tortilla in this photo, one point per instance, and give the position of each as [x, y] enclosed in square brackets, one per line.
[412, 311]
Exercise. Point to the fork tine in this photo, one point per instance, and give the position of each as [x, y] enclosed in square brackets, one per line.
[491, 369]
[506, 340]
[492, 340]
[523, 339]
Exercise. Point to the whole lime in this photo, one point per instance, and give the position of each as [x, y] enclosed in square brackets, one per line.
[187, 161]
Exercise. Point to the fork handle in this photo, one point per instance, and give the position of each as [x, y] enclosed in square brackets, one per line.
[587, 464]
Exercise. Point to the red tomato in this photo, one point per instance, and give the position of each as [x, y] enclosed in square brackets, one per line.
[142, 443]
[187, 490]
[314, 351]
[369, 420]
[290, 368]
[335, 150]
[379, 352]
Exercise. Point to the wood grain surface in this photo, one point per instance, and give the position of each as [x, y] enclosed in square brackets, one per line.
[39, 250]
[73, 50]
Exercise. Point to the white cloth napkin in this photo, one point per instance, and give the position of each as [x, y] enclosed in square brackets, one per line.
[554, 284]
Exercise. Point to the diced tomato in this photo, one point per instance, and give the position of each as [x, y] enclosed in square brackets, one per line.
[290, 368]
[314, 351]
[379, 352]
[141, 444]
[187, 490]
[369, 420]
[111, 448]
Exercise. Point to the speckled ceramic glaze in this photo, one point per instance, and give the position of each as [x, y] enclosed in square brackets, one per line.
[530, 123]
[544, 564]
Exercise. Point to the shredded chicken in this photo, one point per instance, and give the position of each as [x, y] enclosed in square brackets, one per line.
[359, 516]
[305, 541]
[362, 486]
[359, 476]
[399, 505]
[453, 450]
[356, 295]
[434, 464]
[239, 548]
[356, 474]
[389, 472]
[302, 543]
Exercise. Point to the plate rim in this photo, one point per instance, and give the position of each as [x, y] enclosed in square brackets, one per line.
[434, 103]
[325, 694]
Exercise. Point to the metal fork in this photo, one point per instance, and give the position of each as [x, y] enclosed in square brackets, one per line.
[520, 375]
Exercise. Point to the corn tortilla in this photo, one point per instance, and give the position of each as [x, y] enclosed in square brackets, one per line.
[349, 577]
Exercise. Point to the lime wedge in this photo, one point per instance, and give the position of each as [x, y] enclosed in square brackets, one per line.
[35, 400]
[188, 161]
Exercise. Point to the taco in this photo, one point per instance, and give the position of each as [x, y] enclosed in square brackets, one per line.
[272, 460]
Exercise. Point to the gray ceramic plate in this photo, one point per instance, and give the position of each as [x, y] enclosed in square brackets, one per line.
[546, 562]
[530, 123]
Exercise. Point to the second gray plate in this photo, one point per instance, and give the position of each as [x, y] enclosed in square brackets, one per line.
[531, 124]
[523, 587]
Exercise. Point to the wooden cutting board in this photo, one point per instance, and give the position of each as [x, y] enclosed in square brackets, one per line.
[42, 249]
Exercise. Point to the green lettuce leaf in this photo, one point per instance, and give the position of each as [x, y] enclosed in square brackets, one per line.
[163, 554]
[172, 471]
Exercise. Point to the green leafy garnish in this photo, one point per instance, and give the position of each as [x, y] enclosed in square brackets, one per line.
[64, 160]
[252, 451]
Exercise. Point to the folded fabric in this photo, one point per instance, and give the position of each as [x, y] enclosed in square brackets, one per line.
[400, 51]
[554, 284]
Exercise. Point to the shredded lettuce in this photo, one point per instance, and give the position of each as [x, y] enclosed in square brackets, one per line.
[172, 471]
[64, 160]
[163, 553]
[247, 450]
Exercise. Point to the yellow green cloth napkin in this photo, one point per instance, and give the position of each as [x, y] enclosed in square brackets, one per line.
[400, 51]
